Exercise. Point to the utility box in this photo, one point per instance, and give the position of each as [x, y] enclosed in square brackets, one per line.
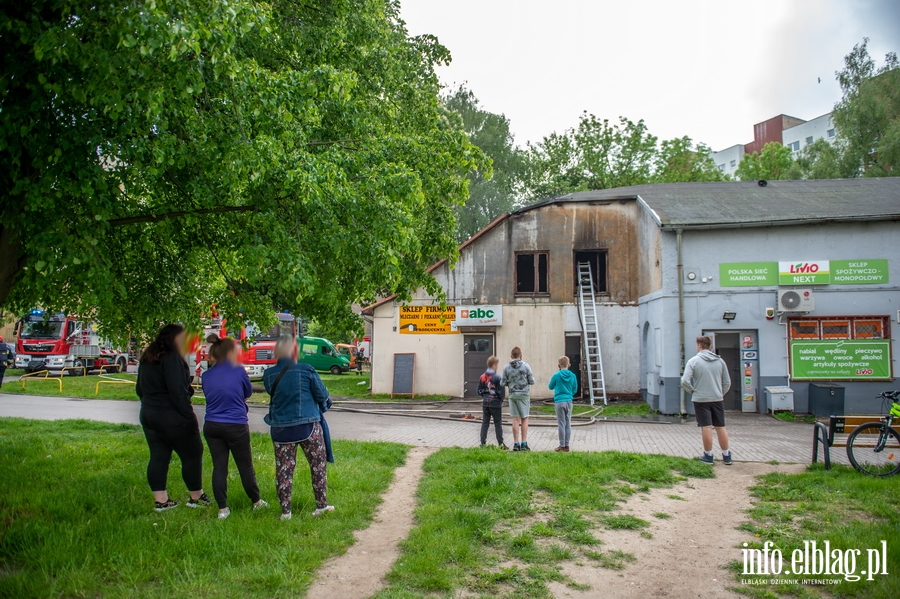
[779, 399]
[826, 399]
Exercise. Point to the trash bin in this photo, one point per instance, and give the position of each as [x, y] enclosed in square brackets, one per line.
[826, 399]
[779, 398]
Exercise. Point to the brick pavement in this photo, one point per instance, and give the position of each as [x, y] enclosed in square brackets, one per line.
[754, 438]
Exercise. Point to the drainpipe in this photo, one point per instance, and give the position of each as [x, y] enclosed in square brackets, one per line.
[680, 269]
[371, 321]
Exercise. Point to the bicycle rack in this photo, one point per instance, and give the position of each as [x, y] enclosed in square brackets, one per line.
[820, 435]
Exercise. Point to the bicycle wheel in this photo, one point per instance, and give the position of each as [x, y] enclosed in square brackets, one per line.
[861, 445]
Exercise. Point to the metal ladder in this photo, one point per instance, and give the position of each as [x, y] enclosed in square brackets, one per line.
[588, 312]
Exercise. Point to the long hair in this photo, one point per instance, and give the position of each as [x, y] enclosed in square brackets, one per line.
[163, 345]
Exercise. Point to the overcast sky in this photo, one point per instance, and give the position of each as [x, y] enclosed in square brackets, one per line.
[707, 69]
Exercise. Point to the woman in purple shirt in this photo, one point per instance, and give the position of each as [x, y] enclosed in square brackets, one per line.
[227, 428]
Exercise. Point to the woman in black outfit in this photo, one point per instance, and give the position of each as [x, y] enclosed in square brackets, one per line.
[164, 386]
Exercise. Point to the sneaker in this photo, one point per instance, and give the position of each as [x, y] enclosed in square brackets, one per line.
[202, 501]
[503, 447]
[565, 449]
[260, 504]
[483, 444]
[225, 514]
[323, 510]
[524, 447]
[560, 448]
[726, 459]
[167, 505]
[517, 447]
[286, 516]
[706, 459]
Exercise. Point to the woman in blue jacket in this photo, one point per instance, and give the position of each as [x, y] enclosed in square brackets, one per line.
[298, 402]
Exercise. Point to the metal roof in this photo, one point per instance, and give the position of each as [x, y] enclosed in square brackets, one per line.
[746, 203]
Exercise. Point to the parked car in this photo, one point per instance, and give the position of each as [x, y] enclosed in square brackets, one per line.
[321, 354]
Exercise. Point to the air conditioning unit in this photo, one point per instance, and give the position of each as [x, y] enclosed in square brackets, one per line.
[796, 300]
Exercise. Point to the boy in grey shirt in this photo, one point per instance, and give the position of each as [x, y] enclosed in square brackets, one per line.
[706, 379]
[518, 377]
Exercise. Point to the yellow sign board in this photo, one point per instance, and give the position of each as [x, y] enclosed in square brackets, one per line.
[427, 320]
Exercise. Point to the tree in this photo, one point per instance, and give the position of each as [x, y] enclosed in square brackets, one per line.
[773, 163]
[595, 155]
[489, 196]
[824, 160]
[679, 161]
[868, 115]
[336, 332]
[159, 157]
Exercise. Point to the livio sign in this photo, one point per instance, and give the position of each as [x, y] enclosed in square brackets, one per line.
[479, 316]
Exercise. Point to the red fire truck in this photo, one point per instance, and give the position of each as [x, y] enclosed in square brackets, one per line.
[56, 341]
[257, 349]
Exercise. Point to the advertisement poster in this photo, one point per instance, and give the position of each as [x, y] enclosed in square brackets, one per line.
[427, 320]
[841, 360]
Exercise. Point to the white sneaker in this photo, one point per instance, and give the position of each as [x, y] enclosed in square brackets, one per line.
[286, 516]
[323, 510]
[225, 514]
[260, 504]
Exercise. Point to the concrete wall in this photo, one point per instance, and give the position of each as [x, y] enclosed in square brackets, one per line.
[705, 302]
[724, 158]
[816, 128]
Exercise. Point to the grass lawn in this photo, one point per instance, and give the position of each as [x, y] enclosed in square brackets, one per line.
[498, 524]
[14, 372]
[613, 409]
[348, 385]
[850, 510]
[76, 518]
[792, 417]
[75, 386]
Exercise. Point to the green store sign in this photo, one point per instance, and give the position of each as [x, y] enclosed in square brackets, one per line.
[841, 359]
[819, 272]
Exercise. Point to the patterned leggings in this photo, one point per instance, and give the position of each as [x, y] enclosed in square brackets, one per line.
[286, 461]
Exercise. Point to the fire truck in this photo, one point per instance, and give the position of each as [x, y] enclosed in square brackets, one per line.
[56, 341]
[257, 348]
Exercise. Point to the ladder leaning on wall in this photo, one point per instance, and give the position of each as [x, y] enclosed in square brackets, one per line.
[588, 312]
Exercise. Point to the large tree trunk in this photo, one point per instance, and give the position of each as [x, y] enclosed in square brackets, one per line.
[10, 262]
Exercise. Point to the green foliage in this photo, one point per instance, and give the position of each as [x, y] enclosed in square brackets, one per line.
[76, 518]
[341, 331]
[158, 157]
[773, 163]
[824, 160]
[868, 115]
[602, 155]
[492, 191]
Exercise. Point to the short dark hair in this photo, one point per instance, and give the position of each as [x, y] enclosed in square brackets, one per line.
[220, 348]
[704, 341]
[516, 353]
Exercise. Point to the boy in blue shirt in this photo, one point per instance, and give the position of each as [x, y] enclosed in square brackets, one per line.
[564, 385]
[491, 392]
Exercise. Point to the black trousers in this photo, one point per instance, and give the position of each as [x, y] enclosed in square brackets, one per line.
[2, 372]
[496, 413]
[168, 431]
[223, 439]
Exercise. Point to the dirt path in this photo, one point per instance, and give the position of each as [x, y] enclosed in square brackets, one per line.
[688, 553]
[360, 572]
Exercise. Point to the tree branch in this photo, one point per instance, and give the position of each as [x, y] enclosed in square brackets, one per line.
[153, 218]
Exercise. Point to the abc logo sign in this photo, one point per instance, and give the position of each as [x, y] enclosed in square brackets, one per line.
[476, 313]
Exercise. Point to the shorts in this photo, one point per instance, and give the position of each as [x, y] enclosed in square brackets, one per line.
[710, 413]
[519, 407]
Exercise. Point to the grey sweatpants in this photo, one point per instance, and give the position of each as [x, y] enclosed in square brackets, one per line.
[564, 421]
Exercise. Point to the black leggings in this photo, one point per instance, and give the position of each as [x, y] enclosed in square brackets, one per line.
[168, 431]
[487, 413]
[224, 438]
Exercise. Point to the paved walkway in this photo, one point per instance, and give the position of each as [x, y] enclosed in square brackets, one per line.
[754, 438]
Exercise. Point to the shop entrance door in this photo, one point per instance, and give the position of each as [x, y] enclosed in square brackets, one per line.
[728, 348]
[477, 349]
[573, 351]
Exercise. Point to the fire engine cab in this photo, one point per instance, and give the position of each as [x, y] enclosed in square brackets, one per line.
[56, 341]
[257, 348]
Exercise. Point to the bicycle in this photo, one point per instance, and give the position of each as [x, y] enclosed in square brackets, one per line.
[874, 447]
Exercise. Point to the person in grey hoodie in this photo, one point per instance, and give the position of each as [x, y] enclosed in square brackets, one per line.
[518, 377]
[706, 379]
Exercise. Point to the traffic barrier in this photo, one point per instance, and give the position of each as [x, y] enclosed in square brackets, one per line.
[35, 376]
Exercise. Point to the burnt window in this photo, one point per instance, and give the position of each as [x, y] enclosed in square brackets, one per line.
[532, 273]
[597, 261]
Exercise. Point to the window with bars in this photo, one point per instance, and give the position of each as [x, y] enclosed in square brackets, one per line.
[846, 327]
